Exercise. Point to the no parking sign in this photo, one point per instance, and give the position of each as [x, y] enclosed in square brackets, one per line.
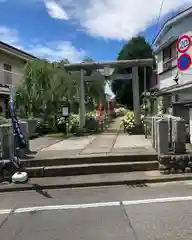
[184, 62]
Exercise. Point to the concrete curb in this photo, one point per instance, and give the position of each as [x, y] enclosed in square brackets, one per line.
[28, 186]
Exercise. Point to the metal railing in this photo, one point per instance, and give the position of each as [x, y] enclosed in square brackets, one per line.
[168, 64]
[10, 78]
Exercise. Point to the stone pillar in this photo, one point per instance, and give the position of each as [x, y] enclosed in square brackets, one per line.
[25, 130]
[32, 123]
[162, 137]
[136, 97]
[179, 136]
[82, 99]
[154, 131]
[7, 141]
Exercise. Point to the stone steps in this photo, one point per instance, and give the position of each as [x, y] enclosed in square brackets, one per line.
[89, 159]
[92, 168]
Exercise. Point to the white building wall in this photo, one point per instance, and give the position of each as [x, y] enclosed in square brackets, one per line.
[178, 29]
[159, 62]
[16, 76]
[166, 79]
[17, 67]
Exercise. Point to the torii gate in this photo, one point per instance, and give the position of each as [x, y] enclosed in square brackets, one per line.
[134, 64]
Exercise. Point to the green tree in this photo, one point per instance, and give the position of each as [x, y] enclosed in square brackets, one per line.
[136, 48]
[44, 87]
[88, 59]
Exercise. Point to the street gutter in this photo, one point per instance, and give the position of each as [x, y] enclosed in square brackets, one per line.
[51, 183]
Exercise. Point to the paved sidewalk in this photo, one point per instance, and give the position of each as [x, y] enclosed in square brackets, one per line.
[110, 142]
[115, 125]
[103, 144]
[41, 142]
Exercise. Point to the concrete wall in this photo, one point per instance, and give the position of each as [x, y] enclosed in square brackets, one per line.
[183, 96]
[166, 79]
[186, 76]
[179, 110]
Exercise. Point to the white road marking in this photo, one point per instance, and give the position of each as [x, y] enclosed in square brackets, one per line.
[65, 207]
[157, 200]
[96, 205]
[5, 211]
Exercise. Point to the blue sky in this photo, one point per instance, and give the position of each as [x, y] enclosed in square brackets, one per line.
[75, 29]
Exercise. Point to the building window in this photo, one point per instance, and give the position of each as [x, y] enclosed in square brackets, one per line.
[169, 56]
[7, 73]
[176, 98]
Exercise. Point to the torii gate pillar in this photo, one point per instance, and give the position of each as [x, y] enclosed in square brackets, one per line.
[136, 100]
[82, 100]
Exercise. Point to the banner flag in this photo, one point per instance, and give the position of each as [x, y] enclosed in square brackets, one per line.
[19, 137]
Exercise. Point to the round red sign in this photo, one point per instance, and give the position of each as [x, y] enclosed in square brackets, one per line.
[183, 43]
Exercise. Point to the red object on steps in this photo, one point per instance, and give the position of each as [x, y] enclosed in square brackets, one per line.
[100, 112]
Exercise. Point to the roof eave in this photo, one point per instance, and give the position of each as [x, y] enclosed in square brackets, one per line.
[16, 52]
[165, 44]
[171, 22]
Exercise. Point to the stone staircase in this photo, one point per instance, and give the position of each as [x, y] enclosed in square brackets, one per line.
[90, 164]
[97, 154]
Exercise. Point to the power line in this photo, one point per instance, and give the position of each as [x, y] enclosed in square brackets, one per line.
[159, 17]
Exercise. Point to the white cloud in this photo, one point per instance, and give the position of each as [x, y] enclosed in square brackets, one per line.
[54, 10]
[8, 35]
[52, 51]
[117, 19]
[58, 51]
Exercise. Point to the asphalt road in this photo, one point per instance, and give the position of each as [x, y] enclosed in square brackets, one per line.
[148, 212]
